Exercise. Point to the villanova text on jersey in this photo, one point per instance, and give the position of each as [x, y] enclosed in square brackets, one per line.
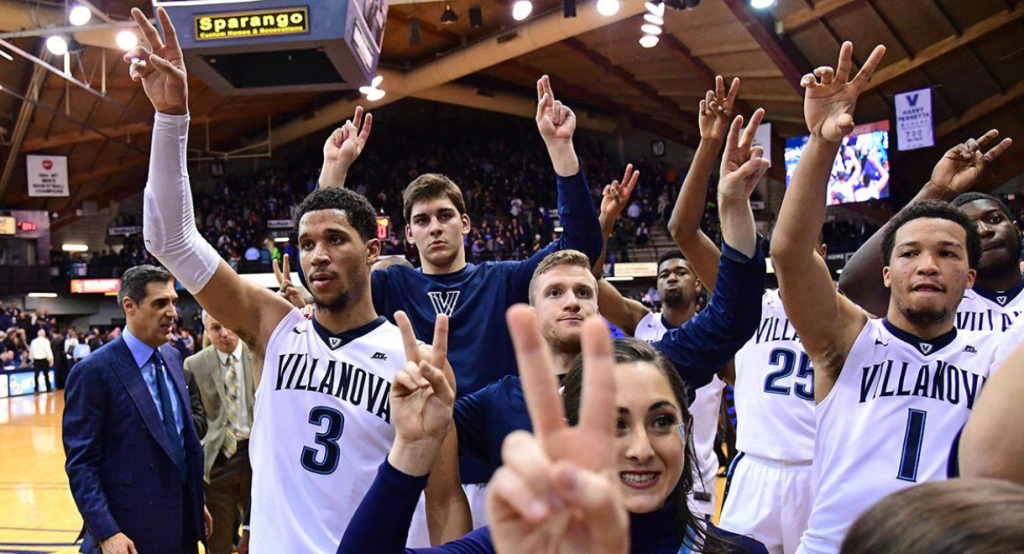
[936, 379]
[340, 379]
[985, 310]
[774, 329]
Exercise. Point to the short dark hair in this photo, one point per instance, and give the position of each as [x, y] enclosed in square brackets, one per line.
[430, 186]
[670, 255]
[932, 209]
[136, 279]
[357, 208]
[968, 197]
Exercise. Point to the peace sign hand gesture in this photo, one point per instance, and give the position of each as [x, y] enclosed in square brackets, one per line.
[293, 294]
[742, 166]
[422, 399]
[616, 195]
[556, 492]
[963, 166]
[830, 99]
[716, 109]
[163, 73]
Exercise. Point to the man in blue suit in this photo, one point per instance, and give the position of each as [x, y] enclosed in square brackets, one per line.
[134, 461]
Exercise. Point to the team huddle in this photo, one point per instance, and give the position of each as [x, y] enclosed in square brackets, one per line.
[484, 408]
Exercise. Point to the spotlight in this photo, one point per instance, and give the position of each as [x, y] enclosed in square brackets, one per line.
[476, 17]
[126, 40]
[449, 16]
[57, 45]
[607, 8]
[650, 29]
[761, 4]
[80, 15]
[653, 19]
[521, 10]
[73, 247]
[649, 41]
[375, 94]
[656, 8]
[372, 92]
[569, 8]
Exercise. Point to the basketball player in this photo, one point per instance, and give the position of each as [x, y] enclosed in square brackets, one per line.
[475, 297]
[891, 393]
[562, 295]
[326, 403]
[995, 300]
[679, 286]
[769, 483]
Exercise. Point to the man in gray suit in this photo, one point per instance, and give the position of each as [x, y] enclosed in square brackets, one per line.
[223, 373]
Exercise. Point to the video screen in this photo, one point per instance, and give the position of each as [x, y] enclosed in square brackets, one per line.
[861, 170]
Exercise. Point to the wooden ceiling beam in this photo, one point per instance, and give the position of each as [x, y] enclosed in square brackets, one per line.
[945, 46]
[702, 69]
[427, 27]
[780, 50]
[980, 110]
[808, 16]
[627, 78]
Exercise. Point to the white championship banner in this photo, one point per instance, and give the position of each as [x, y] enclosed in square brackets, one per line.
[47, 175]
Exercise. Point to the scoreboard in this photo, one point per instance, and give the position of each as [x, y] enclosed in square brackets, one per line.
[268, 46]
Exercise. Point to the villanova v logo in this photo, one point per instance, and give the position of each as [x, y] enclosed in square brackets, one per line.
[444, 302]
[1001, 300]
[925, 347]
[912, 99]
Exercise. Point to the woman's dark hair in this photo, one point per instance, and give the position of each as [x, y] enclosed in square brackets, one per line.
[630, 351]
[959, 516]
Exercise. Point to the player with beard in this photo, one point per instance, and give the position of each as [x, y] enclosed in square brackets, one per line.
[326, 402]
[995, 300]
[891, 393]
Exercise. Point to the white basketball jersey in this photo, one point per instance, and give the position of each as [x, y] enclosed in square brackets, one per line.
[322, 427]
[889, 421]
[774, 390]
[985, 310]
[705, 410]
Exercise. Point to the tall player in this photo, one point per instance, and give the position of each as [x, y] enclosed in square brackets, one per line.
[679, 285]
[995, 300]
[891, 393]
[769, 482]
[322, 420]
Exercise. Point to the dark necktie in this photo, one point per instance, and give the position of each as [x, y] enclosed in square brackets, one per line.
[177, 451]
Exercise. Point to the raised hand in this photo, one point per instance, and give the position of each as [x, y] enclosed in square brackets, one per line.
[742, 165]
[422, 400]
[555, 121]
[557, 492]
[716, 109]
[287, 289]
[963, 166]
[831, 98]
[163, 73]
[347, 142]
[616, 195]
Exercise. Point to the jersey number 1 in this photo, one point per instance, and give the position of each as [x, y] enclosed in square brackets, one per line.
[328, 439]
[912, 443]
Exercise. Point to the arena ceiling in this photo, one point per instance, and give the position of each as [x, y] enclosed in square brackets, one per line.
[970, 52]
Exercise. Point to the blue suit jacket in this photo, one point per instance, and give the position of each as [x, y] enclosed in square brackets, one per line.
[119, 465]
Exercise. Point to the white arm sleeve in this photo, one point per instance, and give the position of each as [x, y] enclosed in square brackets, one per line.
[169, 226]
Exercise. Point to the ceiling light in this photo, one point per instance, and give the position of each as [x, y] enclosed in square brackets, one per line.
[126, 40]
[651, 18]
[569, 8]
[375, 94]
[280, 239]
[607, 8]
[476, 17]
[657, 9]
[521, 10]
[762, 4]
[649, 41]
[449, 16]
[6, 55]
[80, 15]
[377, 81]
[42, 295]
[650, 29]
[72, 247]
[57, 45]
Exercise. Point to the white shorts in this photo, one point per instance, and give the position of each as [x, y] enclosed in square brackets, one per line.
[768, 500]
[476, 494]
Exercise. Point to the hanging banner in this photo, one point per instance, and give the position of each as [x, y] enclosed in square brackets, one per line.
[914, 125]
[47, 175]
[763, 138]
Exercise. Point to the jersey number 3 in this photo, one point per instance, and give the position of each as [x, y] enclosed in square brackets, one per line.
[328, 439]
[785, 359]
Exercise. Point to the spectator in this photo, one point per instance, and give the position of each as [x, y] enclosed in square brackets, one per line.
[643, 237]
[251, 254]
